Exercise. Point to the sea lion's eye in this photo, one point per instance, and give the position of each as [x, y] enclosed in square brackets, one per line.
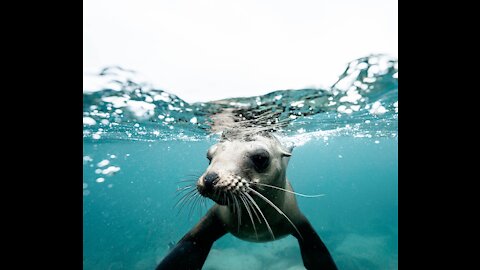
[209, 157]
[261, 159]
[210, 152]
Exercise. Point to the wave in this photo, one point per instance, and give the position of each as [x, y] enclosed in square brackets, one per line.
[363, 102]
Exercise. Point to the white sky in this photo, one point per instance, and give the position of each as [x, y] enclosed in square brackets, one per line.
[213, 49]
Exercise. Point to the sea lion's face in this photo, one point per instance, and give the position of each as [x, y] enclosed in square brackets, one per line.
[237, 166]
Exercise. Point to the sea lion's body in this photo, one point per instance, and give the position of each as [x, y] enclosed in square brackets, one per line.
[247, 180]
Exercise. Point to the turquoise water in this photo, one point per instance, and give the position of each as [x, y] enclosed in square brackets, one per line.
[135, 154]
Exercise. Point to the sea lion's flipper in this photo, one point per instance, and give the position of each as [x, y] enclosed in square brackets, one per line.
[192, 250]
[315, 254]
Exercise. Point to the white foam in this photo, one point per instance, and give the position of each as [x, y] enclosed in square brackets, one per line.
[355, 107]
[341, 108]
[377, 108]
[148, 99]
[373, 60]
[117, 102]
[89, 121]
[298, 104]
[362, 65]
[346, 82]
[172, 108]
[369, 79]
[302, 138]
[352, 96]
[140, 109]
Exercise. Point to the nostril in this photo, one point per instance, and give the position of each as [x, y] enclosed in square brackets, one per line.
[210, 179]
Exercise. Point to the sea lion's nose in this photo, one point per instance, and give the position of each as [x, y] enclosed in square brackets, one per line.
[210, 179]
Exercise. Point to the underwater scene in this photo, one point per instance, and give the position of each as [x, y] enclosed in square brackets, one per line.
[142, 145]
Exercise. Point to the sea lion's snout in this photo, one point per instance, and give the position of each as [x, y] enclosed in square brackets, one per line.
[206, 184]
[221, 188]
[209, 180]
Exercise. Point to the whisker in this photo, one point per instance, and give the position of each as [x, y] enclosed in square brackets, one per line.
[289, 191]
[204, 203]
[233, 205]
[242, 197]
[261, 213]
[193, 206]
[203, 206]
[187, 180]
[184, 196]
[276, 208]
[193, 175]
[239, 217]
[253, 209]
[180, 189]
[184, 187]
[187, 200]
[182, 192]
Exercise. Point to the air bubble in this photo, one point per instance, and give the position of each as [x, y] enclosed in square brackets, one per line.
[103, 163]
[100, 180]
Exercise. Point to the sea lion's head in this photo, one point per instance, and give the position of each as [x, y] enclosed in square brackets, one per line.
[238, 163]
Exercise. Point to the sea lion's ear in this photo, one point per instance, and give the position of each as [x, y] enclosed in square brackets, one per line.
[223, 137]
[287, 151]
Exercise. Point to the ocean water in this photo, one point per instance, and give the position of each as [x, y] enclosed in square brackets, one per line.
[139, 142]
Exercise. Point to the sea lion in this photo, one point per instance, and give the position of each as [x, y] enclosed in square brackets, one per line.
[246, 177]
